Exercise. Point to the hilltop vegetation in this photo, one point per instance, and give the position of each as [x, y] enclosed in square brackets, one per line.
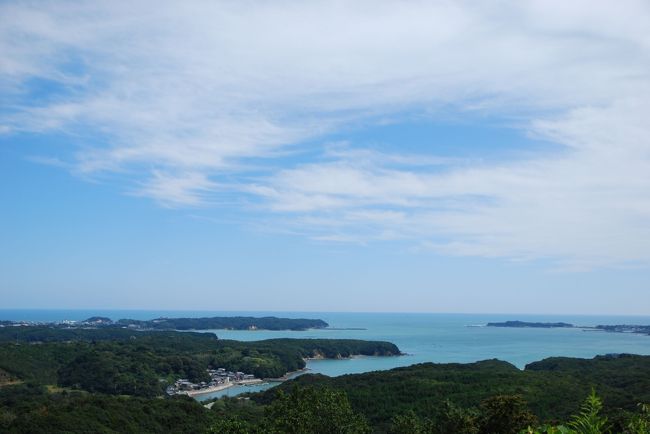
[125, 362]
[110, 380]
[304, 410]
[30, 409]
[553, 388]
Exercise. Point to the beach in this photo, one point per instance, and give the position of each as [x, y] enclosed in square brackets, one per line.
[221, 387]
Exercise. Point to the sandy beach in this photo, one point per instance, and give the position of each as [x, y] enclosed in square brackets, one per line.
[222, 387]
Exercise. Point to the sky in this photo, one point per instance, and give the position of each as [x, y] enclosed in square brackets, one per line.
[411, 156]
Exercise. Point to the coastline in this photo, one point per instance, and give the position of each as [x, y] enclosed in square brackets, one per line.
[221, 387]
[288, 376]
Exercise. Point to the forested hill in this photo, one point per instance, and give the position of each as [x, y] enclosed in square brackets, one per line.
[128, 362]
[226, 322]
[31, 334]
[476, 398]
[553, 388]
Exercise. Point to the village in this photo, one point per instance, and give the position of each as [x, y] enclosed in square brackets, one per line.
[220, 379]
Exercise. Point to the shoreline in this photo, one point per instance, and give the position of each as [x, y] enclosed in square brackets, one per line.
[221, 387]
[288, 376]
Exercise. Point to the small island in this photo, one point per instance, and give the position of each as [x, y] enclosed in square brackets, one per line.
[524, 324]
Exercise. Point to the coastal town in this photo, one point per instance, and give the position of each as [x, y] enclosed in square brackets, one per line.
[220, 379]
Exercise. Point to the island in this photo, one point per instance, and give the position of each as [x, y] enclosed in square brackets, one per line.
[207, 323]
[226, 323]
[524, 324]
[620, 328]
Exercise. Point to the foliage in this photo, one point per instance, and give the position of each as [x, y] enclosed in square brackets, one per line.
[240, 409]
[640, 423]
[453, 419]
[482, 397]
[553, 388]
[31, 409]
[505, 414]
[28, 408]
[447, 419]
[43, 334]
[407, 423]
[548, 429]
[309, 411]
[589, 420]
[231, 425]
[118, 361]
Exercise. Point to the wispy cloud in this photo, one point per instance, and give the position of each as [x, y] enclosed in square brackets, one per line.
[177, 189]
[183, 93]
[588, 205]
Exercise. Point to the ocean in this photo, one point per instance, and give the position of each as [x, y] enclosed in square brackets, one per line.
[438, 338]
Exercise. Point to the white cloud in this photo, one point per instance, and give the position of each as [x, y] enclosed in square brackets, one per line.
[178, 189]
[185, 92]
[588, 206]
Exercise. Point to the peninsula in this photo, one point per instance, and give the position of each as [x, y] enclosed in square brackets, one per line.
[208, 323]
[122, 361]
[619, 328]
[226, 323]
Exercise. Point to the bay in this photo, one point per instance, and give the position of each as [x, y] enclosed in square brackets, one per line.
[435, 337]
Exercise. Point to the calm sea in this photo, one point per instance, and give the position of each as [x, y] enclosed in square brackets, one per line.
[437, 338]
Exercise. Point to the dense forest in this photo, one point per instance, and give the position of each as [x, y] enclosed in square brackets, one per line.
[112, 380]
[302, 410]
[44, 333]
[553, 388]
[124, 362]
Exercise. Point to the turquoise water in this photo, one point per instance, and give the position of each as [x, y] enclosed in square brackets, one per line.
[437, 338]
[446, 338]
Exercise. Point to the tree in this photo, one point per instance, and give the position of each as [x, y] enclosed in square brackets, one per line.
[231, 425]
[453, 419]
[505, 414]
[407, 423]
[313, 411]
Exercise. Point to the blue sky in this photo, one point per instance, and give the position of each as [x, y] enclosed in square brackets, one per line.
[375, 156]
